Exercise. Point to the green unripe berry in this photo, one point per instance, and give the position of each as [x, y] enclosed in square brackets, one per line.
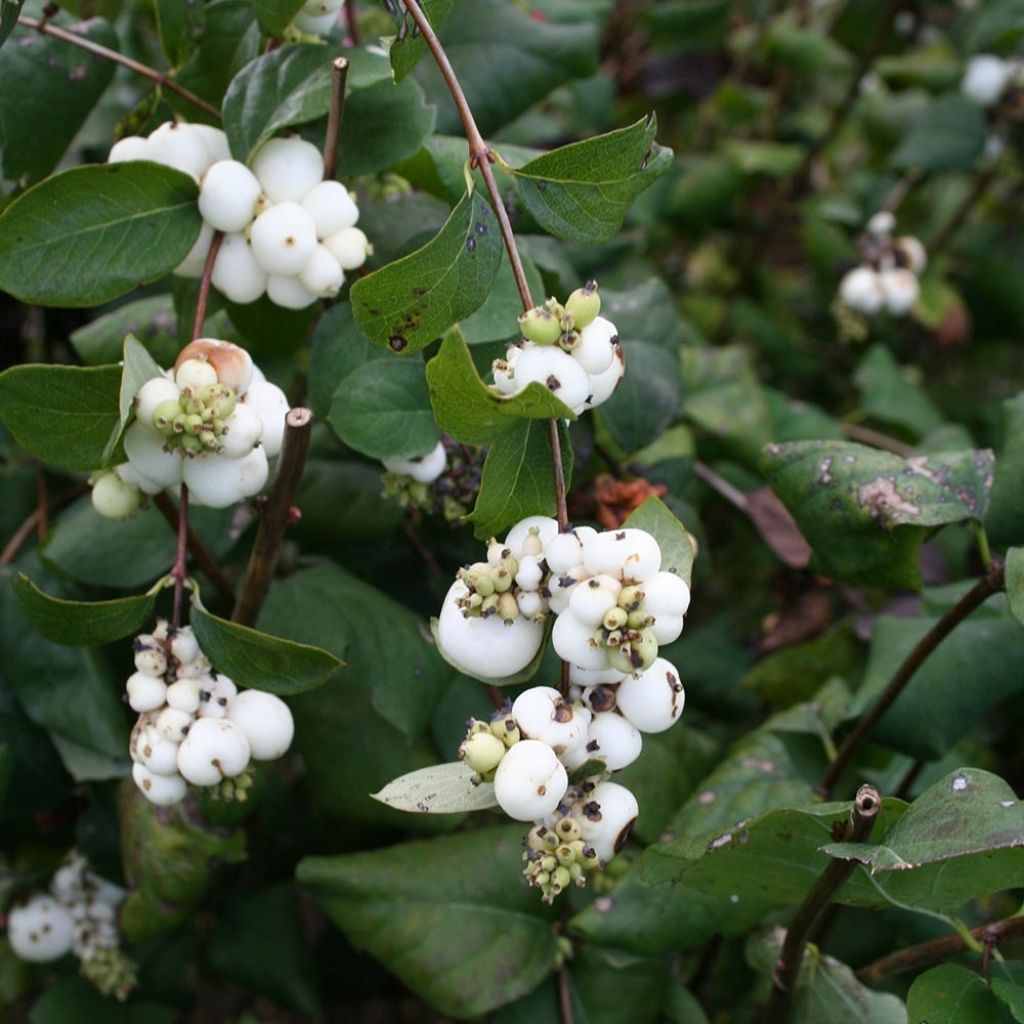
[506, 730]
[631, 598]
[565, 855]
[576, 871]
[639, 620]
[503, 580]
[193, 424]
[560, 879]
[190, 443]
[568, 830]
[584, 305]
[179, 422]
[489, 605]
[540, 326]
[542, 879]
[508, 607]
[615, 618]
[548, 863]
[165, 415]
[482, 752]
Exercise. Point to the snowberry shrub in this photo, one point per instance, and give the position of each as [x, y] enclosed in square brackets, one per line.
[377, 386]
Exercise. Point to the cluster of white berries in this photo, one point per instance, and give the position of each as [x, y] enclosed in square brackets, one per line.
[887, 278]
[78, 915]
[613, 604]
[194, 725]
[569, 349]
[287, 232]
[211, 422]
[987, 77]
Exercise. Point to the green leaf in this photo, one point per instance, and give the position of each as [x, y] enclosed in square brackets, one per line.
[274, 16]
[582, 192]
[518, 478]
[67, 83]
[9, 11]
[960, 840]
[151, 320]
[93, 233]
[260, 661]
[949, 135]
[647, 399]
[286, 87]
[260, 943]
[676, 543]
[408, 47]
[865, 512]
[6, 770]
[1008, 986]
[440, 789]
[936, 709]
[63, 415]
[75, 999]
[805, 50]
[169, 862]
[690, 26]
[448, 917]
[181, 26]
[890, 395]
[82, 623]
[507, 61]
[382, 409]
[411, 302]
[468, 410]
[1015, 582]
[1004, 521]
[497, 318]
[951, 994]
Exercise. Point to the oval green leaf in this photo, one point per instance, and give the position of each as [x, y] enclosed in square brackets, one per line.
[440, 789]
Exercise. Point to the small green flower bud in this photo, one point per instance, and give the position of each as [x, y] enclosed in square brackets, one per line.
[615, 618]
[190, 443]
[541, 879]
[576, 871]
[503, 580]
[590, 859]
[482, 752]
[489, 606]
[540, 326]
[631, 598]
[179, 422]
[568, 830]
[560, 879]
[165, 414]
[193, 424]
[506, 730]
[646, 648]
[565, 855]
[639, 620]
[584, 305]
[209, 439]
[557, 310]
[548, 863]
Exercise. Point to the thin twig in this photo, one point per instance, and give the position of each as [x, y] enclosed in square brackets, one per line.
[352, 22]
[909, 778]
[41, 503]
[876, 439]
[924, 954]
[144, 70]
[830, 881]
[733, 495]
[426, 556]
[564, 997]
[339, 74]
[30, 525]
[179, 572]
[982, 180]
[204, 560]
[204, 285]
[277, 515]
[992, 582]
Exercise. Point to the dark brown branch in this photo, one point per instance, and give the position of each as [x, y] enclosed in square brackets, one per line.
[277, 515]
[339, 75]
[992, 582]
[179, 571]
[204, 285]
[564, 997]
[924, 954]
[201, 556]
[20, 537]
[830, 881]
[144, 70]
[352, 22]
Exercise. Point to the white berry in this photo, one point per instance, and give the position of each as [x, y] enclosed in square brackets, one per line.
[574, 642]
[425, 469]
[131, 147]
[593, 598]
[563, 552]
[194, 374]
[159, 754]
[530, 781]
[613, 740]
[603, 385]
[609, 812]
[243, 430]
[654, 700]
[556, 370]
[214, 749]
[228, 196]
[630, 553]
[667, 598]
[349, 247]
[113, 498]
[289, 292]
[40, 931]
[145, 692]
[545, 528]
[596, 346]
[266, 722]
[985, 78]
[150, 656]
[269, 402]
[332, 208]
[162, 790]
[180, 146]
[901, 290]
[219, 482]
[283, 239]
[861, 290]
[322, 276]
[543, 714]
[236, 274]
[287, 169]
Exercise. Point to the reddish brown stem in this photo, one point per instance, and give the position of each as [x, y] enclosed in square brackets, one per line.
[564, 997]
[41, 503]
[30, 525]
[97, 50]
[179, 573]
[204, 285]
[278, 514]
[204, 561]
[339, 75]
[351, 22]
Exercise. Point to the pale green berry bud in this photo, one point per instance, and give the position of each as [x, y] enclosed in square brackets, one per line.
[191, 443]
[506, 730]
[590, 859]
[565, 855]
[568, 830]
[482, 752]
[540, 326]
[503, 580]
[584, 305]
[193, 424]
[542, 879]
[576, 871]
[631, 598]
[209, 438]
[639, 620]
[548, 863]
[560, 879]
[490, 605]
[179, 422]
[532, 545]
[615, 618]
[165, 414]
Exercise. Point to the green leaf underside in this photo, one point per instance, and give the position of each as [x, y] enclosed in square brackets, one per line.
[288, 86]
[259, 661]
[471, 412]
[63, 415]
[82, 623]
[448, 917]
[865, 512]
[518, 478]
[677, 553]
[410, 302]
[581, 192]
[441, 789]
[382, 409]
[93, 233]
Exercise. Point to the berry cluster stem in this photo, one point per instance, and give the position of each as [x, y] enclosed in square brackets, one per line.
[991, 583]
[278, 513]
[204, 285]
[482, 159]
[339, 75]
[862, 816]
[179, 573]
[201, 556]
[47, 29]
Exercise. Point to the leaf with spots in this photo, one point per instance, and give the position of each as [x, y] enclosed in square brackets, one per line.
[963, 838]
[440, 789]
[865, 512]
[91, 234]
[449, 917]
[582, 192]
[413, 301]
